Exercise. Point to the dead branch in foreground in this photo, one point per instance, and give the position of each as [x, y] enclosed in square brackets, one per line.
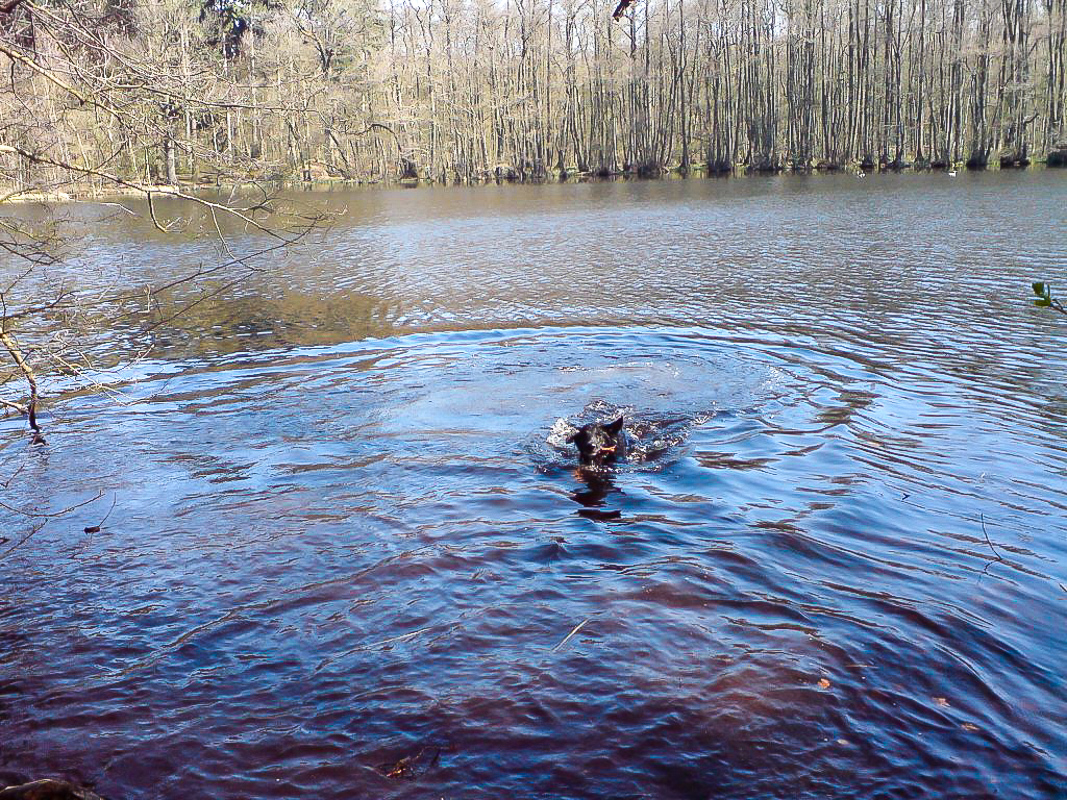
[87, 90]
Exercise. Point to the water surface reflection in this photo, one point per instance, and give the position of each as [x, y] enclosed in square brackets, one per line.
[348, 559]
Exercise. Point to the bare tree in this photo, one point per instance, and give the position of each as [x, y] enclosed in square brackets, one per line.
[86, 108]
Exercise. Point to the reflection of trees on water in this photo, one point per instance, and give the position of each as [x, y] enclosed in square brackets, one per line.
[226, 324]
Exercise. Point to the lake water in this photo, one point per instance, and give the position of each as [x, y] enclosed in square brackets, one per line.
[348, 554]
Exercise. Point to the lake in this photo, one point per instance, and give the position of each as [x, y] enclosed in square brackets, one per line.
[345, 552]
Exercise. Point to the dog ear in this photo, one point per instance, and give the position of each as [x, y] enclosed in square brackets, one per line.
[614, 427]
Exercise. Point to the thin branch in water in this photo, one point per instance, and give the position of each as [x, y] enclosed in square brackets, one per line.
[44, 519]
[984, 531]
[119, 206]
[50, 514]
[12, 346]
[33, 530]
[14, 475]
[575, 630]
[96, 528]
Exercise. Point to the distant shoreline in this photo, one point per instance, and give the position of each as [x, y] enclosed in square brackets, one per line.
[91, 192]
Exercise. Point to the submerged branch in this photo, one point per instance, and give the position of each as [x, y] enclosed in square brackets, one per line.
[981, 517]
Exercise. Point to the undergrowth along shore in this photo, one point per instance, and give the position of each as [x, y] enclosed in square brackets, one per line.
[319, 176]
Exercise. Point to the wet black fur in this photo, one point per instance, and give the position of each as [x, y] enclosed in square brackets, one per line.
[599, 444]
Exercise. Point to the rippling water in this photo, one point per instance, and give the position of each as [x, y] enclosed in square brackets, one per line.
[349, 556]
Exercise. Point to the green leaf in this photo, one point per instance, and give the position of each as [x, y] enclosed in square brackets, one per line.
[1040, 289]
[1044, 302]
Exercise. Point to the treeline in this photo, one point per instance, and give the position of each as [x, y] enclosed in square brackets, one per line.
[190, 90]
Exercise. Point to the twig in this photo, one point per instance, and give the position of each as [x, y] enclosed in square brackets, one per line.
[982, 518]
[192, 304]
[152, 213]
[14, 475]
[51, 76]
[50, 514]
[119, 206]
[13, 348]
[18, 408]
[148, 190]
[96, 528]
[35, 529]
[567, 638]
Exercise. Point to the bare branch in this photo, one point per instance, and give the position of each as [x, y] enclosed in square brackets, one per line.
[12, 346]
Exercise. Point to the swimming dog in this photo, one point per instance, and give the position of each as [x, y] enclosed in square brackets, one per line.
[599, 444]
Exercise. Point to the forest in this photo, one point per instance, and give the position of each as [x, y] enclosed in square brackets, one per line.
[201, 91]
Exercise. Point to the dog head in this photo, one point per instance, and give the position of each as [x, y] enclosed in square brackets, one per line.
[598, 443]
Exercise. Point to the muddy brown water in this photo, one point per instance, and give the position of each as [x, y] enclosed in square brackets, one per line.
[349, 556]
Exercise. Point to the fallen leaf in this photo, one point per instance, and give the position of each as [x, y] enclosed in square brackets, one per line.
[411, 767]
[824, 683]
[941, 701]
[967, 726]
